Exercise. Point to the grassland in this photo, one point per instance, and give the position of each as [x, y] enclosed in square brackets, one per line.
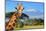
[31, 27]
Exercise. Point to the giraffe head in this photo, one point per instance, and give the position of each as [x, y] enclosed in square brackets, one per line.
[19, 9]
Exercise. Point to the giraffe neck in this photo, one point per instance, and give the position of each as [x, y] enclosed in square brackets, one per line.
[12, 22]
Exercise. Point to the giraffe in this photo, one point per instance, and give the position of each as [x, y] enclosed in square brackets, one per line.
[13, 20]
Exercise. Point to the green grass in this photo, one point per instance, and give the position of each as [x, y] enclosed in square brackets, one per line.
[31, 27]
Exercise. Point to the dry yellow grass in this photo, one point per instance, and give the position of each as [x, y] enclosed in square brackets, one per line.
[31, 27]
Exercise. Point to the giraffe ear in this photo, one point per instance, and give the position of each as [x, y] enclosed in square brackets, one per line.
[23, 8]
[15, 8]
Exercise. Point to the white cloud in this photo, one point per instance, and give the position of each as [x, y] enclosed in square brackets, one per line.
[31, 10]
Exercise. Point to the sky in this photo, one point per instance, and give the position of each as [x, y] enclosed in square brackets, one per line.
[32, 9]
